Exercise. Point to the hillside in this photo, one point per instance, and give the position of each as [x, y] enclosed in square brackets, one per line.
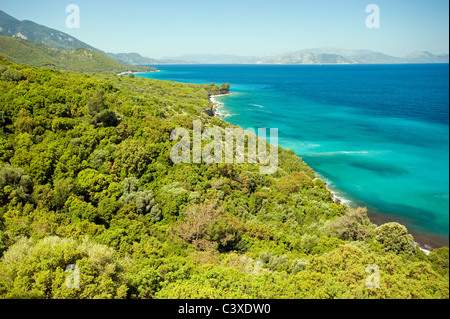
[78, 59]
[29, 30]
[86, 179]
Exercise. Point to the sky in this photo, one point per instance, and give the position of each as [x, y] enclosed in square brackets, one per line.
[169, 28]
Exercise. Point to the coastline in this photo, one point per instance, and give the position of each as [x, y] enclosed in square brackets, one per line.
[135, 72]
[378, 221]
[217, 105]
[427, 249]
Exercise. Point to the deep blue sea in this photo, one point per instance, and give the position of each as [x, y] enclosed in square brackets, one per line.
[378, 134]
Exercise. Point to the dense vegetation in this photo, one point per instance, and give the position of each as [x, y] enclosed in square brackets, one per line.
[86, 179]
[76, 59]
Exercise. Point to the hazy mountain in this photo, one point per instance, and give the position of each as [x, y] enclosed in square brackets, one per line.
[374, 58]
[330, 50]
[132, 58]
[172, 61]
[137, 59]
[28, 30]
[307, 58]
[324, 55]
[77, 59]
[339, 56]
[426, 57]
[215, 59]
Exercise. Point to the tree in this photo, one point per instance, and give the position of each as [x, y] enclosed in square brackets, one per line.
[107, 118]
[395, 238]
[37, 269]
[24, 122]
[439, 260]
[14, 180]
[12, 75]
[132, 157]
[144, 200]
[95, 102]
[354, 225]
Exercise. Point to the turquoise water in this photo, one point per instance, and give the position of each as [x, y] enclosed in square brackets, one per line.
[378, 134]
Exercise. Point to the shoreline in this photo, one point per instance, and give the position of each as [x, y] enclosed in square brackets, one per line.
[217, 105]
[379, 220]
[136, 72]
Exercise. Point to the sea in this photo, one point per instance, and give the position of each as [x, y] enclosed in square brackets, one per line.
[377, 134]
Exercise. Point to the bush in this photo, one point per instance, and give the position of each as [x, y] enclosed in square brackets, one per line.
[439, 260]
[298, 265]
[18, 181]
[38, 270]
[352, 226]
[395, 238]
[107, 118]
[12, 75]
[144, 200]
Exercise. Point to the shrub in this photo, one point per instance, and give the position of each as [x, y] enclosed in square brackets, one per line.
[439, 260]
[395, 238]
[12, 75]
[144, 200]
[352, 226]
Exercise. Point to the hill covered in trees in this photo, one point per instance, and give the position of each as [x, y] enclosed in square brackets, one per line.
[77, 59]
[29, 30]
[86, 179]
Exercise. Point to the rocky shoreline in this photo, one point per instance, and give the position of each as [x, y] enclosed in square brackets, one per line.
[217, 105]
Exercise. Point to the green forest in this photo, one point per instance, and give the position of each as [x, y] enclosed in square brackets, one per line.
[86, 179]
[75, 59]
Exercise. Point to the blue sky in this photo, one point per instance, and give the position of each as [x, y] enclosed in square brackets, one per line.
[158, 28]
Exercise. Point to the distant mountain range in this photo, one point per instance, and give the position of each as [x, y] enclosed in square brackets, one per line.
[320, 56]
[96, 59]
[132, 58]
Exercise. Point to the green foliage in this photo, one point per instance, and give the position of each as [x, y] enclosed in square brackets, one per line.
[213, 89]
[12, 75]
[76, 59]
[14, 184]
[354, 225]
[132, 157]
[439, 260]
[84, 155]
[36, 269]
[144, 200]
[395, 238]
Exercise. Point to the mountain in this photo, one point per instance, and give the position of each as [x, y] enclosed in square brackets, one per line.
[374, 58]
[330, 50]
[426, 57]
[307, 58]
[342, 56]
[325, 55]
[216, 59]
[132, 58]
[28, 30]
[77, 59]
